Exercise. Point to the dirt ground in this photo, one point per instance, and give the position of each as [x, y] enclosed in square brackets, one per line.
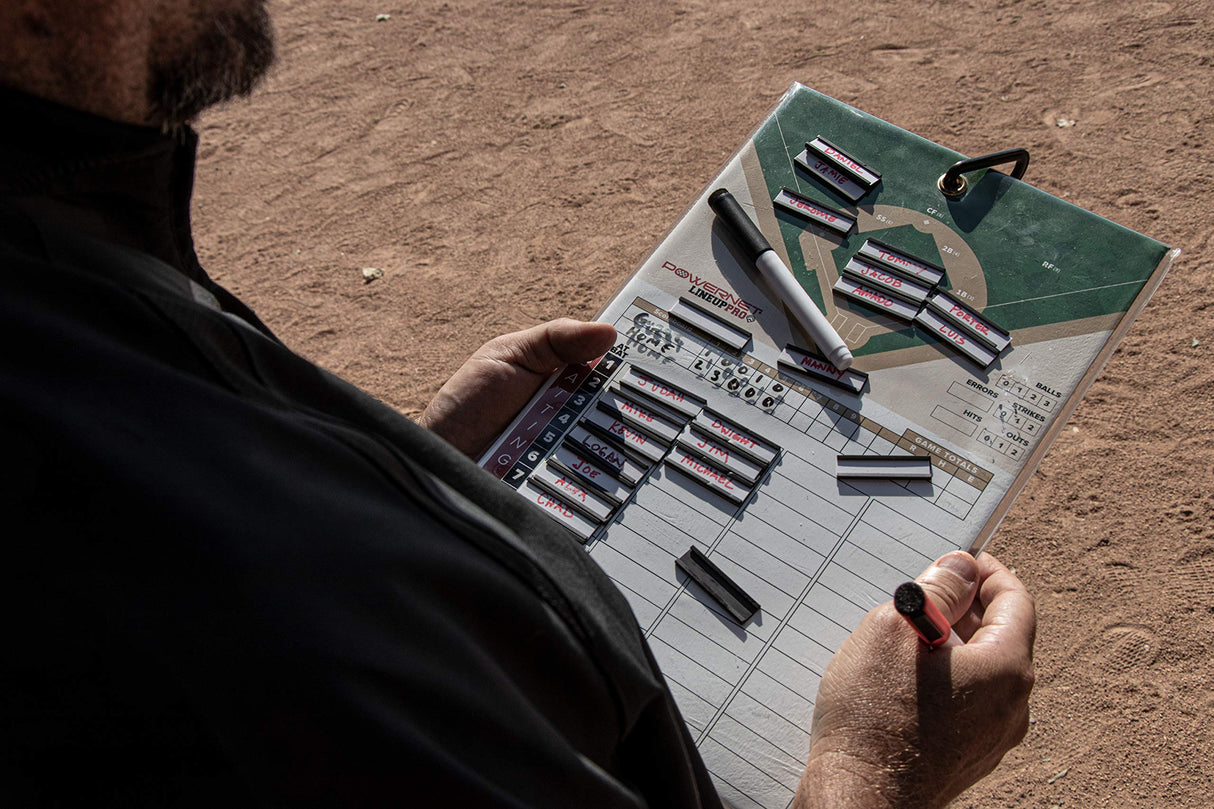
[506, 163]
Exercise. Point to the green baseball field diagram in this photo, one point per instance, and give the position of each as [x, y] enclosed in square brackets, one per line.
[1027, 260]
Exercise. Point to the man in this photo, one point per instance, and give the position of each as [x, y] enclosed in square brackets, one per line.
[232, 579]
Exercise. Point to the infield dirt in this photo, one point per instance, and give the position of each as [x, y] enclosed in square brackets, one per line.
[508, 163]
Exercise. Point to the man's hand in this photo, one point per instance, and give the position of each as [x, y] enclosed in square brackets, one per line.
[899, 725]
[481, 398]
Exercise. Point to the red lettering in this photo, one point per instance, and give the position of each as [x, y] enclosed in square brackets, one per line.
[629, 407]
[821, 367]
[831, 172]
[732, 434]
[714, 449]
[835, 153]
[660, 389]
[707, 471]
[970, 319]
[554, 505]
[569, 487]
[957, 338]
[620, 430]
[874, 297]
[805, 206]
[888, 280]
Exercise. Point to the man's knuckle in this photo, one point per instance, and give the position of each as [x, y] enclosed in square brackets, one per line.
[1026, 678]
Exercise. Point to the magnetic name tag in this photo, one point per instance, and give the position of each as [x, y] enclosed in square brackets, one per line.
[647, 418]
[895, 307]
[819, 369]
[700, 569]
[641, 381]
[816, 212]
[960, 340]
[906, 265]
[723, 430]
[715, 479]
[573, 491]
[721, 454]
[838, 170]
[884, 467]
[709, 325]
[601, 479]
[862, 174]
[627, 437]
[890, 283]
[968, 319]
[606, 454]
[559, 510]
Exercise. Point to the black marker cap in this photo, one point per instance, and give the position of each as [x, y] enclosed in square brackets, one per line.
[738, 223]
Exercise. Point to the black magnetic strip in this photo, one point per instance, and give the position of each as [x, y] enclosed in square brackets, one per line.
[714, 581]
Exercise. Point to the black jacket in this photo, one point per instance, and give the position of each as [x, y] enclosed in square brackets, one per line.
[230, 578]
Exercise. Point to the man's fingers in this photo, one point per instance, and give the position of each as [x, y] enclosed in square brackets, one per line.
[1009, 615]
[543, 348]
[951, 583]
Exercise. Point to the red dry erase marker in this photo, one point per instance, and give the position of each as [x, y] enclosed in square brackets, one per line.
[924, 617]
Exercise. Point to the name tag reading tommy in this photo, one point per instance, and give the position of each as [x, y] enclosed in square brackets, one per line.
[900, 262]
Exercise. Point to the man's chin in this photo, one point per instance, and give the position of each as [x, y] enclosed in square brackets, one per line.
[226, 59]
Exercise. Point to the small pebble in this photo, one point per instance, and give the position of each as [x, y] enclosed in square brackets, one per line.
[372, 274]
[382, 17]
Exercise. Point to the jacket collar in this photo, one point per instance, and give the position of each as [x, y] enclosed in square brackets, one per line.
[107, 180]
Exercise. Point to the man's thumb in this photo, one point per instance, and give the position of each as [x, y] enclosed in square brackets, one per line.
[951, 583]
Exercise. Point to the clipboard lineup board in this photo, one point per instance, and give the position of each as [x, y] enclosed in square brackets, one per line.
[715, 433]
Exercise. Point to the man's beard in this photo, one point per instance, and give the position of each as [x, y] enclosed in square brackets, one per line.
[226, 59]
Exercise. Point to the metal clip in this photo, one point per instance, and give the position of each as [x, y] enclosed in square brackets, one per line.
[952, 183]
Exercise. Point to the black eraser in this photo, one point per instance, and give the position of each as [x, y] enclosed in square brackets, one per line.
[909, 599]
[738, 223]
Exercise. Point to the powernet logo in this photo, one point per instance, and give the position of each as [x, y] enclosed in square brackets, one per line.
[710, 293]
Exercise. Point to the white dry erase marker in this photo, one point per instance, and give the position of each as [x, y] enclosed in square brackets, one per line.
[781, 278]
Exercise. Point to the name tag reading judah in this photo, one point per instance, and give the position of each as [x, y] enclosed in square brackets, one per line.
[814, 212]
[641, 381]
[894, 307]
[902, 263]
